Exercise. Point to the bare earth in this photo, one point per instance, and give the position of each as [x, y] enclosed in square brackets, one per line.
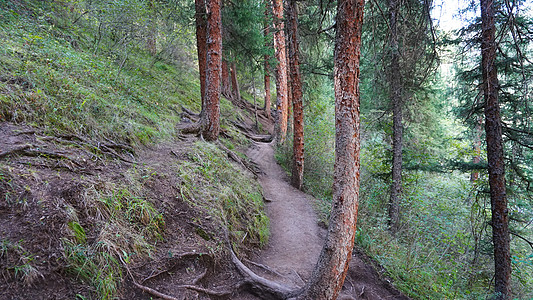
[296, 239]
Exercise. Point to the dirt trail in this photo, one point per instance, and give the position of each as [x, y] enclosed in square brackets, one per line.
[296, 239]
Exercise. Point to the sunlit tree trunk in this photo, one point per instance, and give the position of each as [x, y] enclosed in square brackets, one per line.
[211, 125]
[296, 96]
[397, 126]
[267, 65]
[281, 71]
[496, 168]
[328, 276]
[234, 82]
[201, 44]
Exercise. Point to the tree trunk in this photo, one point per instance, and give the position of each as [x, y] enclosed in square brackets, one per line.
[281, 71]
[296, 95]
[267, 66]
[328, 276]
[226, 85]
[152, 33]
[474, 176]
[201, 44]
[211, 124]
[496, 168]
[397, 127]
[234, 83]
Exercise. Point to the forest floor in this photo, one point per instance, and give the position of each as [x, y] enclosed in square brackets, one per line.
[47, 178]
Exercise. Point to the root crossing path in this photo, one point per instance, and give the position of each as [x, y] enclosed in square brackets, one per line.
[295, 237]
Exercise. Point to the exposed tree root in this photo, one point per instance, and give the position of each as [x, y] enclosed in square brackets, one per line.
[200, 277]
[206, 291]
[17, 150]
[152, 291]
[260, 286]
[118, 146]
[32, 150]
[177, 258]
[115, 154]
[264, 138]
[156, 293]
[29, 132]
[193, 128]
[268, 269]
[245, 164]
[189, 112]
[104, 148]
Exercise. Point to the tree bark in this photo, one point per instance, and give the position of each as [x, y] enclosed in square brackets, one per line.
[474, 176]
[328, 276]
[226, 85]
[267, 66]
[234, 83]
[296, 96]
[395, 86]
[211, 123]
[281, 71]
[201, 44]
[496, 167]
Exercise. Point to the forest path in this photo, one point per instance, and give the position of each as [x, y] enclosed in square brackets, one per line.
[295, 237]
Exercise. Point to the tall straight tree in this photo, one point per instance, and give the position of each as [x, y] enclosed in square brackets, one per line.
[495, 158]
[201, 44]
[395, 87]
[266, 31]
[328, 276]
[211, 122]
[281, 71]
[296, 96]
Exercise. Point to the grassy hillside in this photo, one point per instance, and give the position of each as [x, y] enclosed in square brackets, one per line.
[54, 78]
[95, 176]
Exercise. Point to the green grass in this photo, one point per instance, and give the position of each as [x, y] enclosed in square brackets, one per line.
[48, 82]
[17, 261]
[124, 226]
[213, 184]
